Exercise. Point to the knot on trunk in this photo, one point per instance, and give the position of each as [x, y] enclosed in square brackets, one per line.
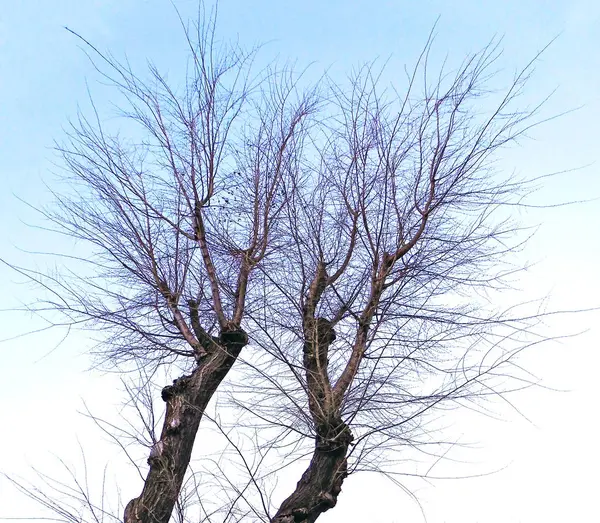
[328, 500]
[333, 436]
[319, 335]
[319, 330]
[300, 514]
[236, 336]
[178, 387]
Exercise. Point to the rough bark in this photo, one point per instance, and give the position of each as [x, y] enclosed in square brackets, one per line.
[186, 402]
[320, 485]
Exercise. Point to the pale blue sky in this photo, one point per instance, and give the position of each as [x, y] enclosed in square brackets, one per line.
[553, 462]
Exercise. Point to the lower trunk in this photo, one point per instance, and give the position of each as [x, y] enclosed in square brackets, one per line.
[186, 401]
[320, 485]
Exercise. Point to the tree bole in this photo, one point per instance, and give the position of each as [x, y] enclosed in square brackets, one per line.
[320, 485]
[169, 458]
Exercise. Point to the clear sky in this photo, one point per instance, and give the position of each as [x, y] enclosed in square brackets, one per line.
[549, 463]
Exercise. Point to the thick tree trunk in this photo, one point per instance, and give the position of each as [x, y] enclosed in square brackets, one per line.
[320, 485]
[186, 401]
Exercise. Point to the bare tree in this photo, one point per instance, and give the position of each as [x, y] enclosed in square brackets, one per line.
[178, 230]
[340, 241]
[377, 315]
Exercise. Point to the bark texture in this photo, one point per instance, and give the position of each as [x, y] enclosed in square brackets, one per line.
[186, 402]
[320, 485]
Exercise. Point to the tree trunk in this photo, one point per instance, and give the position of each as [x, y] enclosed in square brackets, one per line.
[186, 401]
[321, 483]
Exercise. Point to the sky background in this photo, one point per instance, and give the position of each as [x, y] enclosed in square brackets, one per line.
[548, 459]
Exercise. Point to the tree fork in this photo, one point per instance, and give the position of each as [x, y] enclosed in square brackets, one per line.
[320, 485]
[170, 456]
